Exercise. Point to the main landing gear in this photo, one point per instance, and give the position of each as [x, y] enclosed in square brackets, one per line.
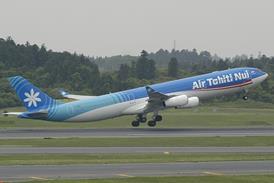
[139, 119]
[143, 119]
[154, 120]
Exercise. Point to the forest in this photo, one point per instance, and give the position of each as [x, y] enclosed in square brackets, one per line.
[79, 74]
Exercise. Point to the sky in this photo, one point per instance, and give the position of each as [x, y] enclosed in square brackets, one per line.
[114, 27]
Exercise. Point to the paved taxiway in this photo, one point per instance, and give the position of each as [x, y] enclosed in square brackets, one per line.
[134, 132]
[107, 150]
[24, 172]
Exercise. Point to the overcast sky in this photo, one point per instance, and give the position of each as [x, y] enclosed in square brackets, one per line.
[112, 27]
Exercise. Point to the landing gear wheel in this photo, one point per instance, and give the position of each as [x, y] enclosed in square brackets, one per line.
[158, 118]
[143, 119]
[135, 123]
[151, 123]
[245, 97]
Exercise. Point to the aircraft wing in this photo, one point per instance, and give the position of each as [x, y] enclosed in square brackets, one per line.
[154, 102]
[34, 115]
[155, 99]
[75, 97]
[12, 113]
[155, 96]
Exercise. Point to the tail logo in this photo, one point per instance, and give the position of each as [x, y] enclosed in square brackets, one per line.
[32, 98]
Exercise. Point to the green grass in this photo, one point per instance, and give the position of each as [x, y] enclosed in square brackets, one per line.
[62, 159]
[143, 142]
[218, 115]
[186, 179]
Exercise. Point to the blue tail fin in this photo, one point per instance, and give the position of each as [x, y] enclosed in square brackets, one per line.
[32, 97]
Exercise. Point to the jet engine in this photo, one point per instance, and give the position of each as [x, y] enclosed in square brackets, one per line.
[176, 101]
[192, 102]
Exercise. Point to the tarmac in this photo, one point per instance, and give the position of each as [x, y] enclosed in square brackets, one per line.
[47, 172]
[131, 150]
[134, 132]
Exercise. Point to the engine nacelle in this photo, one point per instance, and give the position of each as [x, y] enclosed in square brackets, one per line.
[192, 102]
[176, 101]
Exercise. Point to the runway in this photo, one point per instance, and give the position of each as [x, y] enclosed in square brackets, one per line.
[131, 150]
[134, 132]
[27, 172]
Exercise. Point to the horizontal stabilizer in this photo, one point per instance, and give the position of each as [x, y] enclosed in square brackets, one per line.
[12, 113]
[75, 97]
[32, 115]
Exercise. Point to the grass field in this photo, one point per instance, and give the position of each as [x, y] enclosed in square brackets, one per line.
[62, 159]
[143, 142]
[216, 115]
[186, 179]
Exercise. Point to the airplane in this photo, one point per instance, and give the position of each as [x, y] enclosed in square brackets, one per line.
[178, 94]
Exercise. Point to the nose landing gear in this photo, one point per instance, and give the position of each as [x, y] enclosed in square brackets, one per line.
[245, 97]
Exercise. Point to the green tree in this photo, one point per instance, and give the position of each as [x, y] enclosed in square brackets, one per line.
[145, 68]
[173, 67]
[123, 72]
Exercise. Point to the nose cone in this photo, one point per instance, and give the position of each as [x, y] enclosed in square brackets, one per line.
[258, 76]
[265, 76]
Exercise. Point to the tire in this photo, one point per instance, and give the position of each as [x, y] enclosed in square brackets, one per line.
[158, 118]
[135, 123]
[143, 120]
[151, 123]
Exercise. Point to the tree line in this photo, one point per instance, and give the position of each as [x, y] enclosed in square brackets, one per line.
[80, 74]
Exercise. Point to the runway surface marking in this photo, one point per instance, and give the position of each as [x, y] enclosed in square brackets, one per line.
[23, 172]
[134, 132]
[38, 178]
[212, 173]
[132, 150]
[124, 175]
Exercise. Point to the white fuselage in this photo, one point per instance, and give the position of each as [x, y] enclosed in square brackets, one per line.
[131, 107]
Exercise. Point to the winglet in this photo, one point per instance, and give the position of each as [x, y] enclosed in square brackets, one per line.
[63, 92]
[149, 90]
[155, 95]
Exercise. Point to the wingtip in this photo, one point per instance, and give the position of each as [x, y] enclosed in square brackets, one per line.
[12, 78]
[149, 89]
[63, 92]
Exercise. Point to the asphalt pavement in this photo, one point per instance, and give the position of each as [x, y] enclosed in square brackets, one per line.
[46, 172]
[131, 150]
[134, 132]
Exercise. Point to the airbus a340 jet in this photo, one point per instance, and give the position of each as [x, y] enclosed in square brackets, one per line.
[179, 94]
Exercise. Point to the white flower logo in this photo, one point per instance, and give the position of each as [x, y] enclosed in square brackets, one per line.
[32, 98]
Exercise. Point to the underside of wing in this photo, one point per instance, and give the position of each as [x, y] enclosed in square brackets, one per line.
[155, 100]
[155, 95]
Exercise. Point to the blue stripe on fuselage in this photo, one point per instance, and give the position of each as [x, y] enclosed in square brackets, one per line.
[69, 110]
